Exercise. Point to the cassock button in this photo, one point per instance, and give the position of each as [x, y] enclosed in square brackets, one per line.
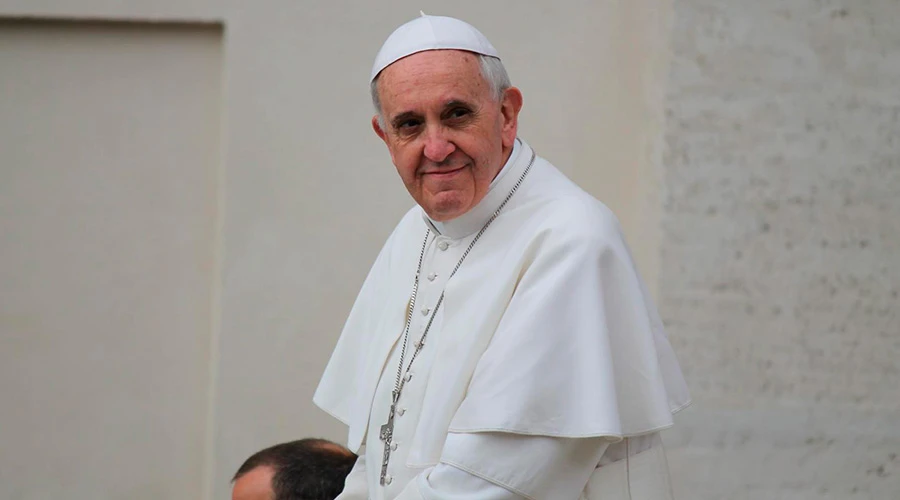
[425, 311]
[443, 245]
[388, 479]
[432, 276]
[401, 411]
[408, 377]
[393, 446]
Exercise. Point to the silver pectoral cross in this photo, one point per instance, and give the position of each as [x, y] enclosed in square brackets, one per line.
[387, 435]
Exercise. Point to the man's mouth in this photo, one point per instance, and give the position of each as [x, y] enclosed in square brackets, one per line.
[446, 172]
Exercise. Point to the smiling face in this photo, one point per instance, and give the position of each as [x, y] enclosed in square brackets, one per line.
[447, 134]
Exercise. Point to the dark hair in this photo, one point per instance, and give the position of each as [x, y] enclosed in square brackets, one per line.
[307, 469]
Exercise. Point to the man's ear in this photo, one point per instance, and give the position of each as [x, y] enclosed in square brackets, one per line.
[509, 108]
[376, 125]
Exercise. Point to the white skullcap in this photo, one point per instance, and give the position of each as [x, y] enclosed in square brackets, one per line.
[431, 33]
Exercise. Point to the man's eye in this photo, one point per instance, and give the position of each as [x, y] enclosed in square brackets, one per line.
[458, 113]
[408, 124]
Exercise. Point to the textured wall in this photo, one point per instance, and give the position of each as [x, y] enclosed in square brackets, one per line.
[781, 247]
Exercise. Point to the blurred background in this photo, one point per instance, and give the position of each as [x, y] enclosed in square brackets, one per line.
[191, 195]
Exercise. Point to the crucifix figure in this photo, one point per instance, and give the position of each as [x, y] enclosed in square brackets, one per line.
[387, 435]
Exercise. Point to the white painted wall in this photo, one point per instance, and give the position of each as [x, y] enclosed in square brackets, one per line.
[305, 196]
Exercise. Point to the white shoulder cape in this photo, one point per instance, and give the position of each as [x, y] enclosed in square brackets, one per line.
[548, 329]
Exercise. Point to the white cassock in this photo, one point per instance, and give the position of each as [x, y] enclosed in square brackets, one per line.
[546, 373]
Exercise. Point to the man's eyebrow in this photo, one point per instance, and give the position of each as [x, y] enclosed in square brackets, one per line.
[455, 103]
[397, 120]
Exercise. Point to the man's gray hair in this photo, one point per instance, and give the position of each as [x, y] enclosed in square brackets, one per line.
[491, 69]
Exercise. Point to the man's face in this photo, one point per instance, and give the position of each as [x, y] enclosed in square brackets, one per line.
[254, 485]
[447, 135]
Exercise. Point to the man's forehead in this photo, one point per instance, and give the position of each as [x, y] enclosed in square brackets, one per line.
[431, 81]
[434, 78]
[430, 62]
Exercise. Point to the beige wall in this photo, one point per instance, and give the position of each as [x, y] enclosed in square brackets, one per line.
[283, 226]
[109, 154]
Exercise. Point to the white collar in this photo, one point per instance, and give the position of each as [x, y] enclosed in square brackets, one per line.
[471, 221]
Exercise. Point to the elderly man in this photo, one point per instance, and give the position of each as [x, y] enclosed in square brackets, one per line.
[502, 345]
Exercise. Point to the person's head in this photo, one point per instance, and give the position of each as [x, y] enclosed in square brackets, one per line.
[308, 469]
[449, 117]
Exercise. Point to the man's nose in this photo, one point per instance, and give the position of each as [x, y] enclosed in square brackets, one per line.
[437, 145]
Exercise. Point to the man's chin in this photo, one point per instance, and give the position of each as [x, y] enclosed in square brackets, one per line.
[445, 210]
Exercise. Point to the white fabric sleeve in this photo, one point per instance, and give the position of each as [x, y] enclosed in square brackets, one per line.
[355, 486]
[502, 466]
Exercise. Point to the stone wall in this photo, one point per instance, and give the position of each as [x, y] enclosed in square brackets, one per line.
[780, 269]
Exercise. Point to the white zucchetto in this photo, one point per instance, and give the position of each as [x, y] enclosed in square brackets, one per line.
[431, 33]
